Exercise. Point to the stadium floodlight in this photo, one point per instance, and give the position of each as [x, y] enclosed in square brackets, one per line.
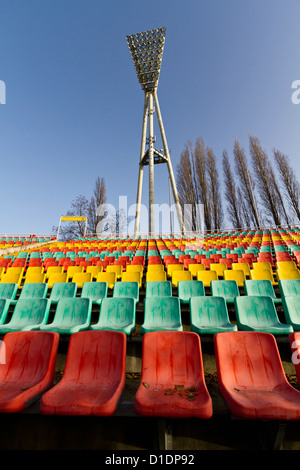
[146, 50]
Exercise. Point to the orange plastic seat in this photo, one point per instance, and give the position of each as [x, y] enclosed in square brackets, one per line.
[93, 378]
[251, 377]
[27, 367]
[172, 380]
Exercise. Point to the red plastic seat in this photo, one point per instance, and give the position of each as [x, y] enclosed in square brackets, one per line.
[251, 377]
[28, 370]
[172, 381]
[93, 378]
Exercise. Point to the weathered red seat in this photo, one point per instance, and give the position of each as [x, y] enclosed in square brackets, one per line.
[27, 367]
[172, 381]
[93, 378]
[251, 377]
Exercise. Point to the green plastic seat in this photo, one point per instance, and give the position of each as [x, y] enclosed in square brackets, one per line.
[62, 290]
[288, 287]
[188, 289]
[227, 289]
[95, 291]
[209, 315]
[34, 290]
[8, 290]
[158, 289]
[116, 313]
[161, 313]
[127, 289]
[261, 287]
[258, 313]
[4, 307]
[28, 314]
[71, 315]
[291, 309]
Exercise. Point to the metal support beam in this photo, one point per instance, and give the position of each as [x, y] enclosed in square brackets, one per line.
[151, 167]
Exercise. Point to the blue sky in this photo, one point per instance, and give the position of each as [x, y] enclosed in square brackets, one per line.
[74, 105]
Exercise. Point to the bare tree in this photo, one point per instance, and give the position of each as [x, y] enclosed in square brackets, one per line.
[268, 189]
[231, 194]
[202, 185]
[289, 181]
[214, 189]
[98, 199]
[246, 186]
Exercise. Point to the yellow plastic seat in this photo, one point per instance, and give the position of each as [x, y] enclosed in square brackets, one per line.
[80, 278]
[219, 268]
[56, 277]
[132, 277]
[287, 274]
[2, 271]
[261, 265]
[181, 276]
[207, 276]
[117, 269]
[155, 267]
[235, 275]
[156, 276]
[94, 270]
[34, 269]
[72, 270]
[109, 277]
[15, 270]
[133, 268]
[285, 265]
[35, 277]
[262, 274]
[174, 267]
[241, 267]
[194, 268]
[11, 278]
[53, 270]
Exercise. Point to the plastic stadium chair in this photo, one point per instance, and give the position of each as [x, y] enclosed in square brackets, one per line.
[251, 377]
[81, 278]
[4, 307]
[286, 274]
[227, 289]
[95, 291]
[263, 275]
[219, 268]
[108, 277]
[158, 289]
[11, 278]
[178, 276]
[61, 290]
[132, 277]
[71, 315]
[55, 278]
[94, 270]
[289, 287]
[27, 368]
[294, 339]
[34, 290]
[291, 309]
[71, 270]
[172, 381]
[261, 287]
[206, 277]
[155, 267]
[235, 275]
[209, 315]
[161, 313]
[93, 378]
[116, 314]
[127, 289]
[28, 314]
[258, 313]
[194, 268]
[157, 276]
[188, 289]
[174, 267]
[8, 291]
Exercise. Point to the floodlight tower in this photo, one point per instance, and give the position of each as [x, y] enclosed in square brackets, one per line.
[146, 51]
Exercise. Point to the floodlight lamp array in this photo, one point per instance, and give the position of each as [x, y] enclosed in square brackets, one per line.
[146, 51]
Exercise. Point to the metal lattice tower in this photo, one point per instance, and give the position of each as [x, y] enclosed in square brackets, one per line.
[146, 51]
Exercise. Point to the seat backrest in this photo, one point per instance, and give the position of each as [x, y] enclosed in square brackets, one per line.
[170, 357]
[8, 291]
[226, 289]
[117, 309]
[94, 290]
[256, 311]
[34, 290]
[72, 311]
[126, 289]
[289, 287]
[158, 288]
[30, 312]
[166, 309]
[96, 356]
[188, 289]
[247, 360]
[63, 289]
[259, 287]
[29, 356]
[210, 310]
